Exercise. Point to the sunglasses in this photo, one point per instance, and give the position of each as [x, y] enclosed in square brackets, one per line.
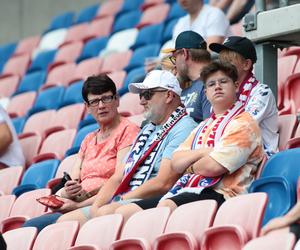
[147, 94]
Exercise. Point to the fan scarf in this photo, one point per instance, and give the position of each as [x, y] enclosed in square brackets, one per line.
[194, 183]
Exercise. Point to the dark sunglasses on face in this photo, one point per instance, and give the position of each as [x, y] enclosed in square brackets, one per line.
[104, 100]
[147, 94]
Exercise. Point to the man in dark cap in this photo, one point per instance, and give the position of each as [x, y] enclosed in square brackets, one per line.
[258, 98]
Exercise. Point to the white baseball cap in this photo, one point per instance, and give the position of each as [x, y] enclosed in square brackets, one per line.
[157, 79]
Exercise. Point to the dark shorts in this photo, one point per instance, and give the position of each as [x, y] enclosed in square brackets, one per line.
[295, 229]
[206, 194]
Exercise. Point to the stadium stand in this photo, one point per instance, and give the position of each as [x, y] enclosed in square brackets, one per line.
[26, 236]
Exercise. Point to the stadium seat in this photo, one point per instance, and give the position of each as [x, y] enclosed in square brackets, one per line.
[149, 35]
[154, 15]
[185, 225]
[150, 3]
[108, 226]
[9, 179]
[48, 99]
[81, 134]
[130, 105]
[137, 119]
[64, 20]
[287, 125]
[27, 45]
[87, 14]
[237, 221]
[76, 33]
[141, 229]
[19, 124]
[21, 238]
[129, 5]
[32, 81]
[42, 60]
[30, 144]
[72, 94]
[118, 77]
[37, 176]
[6, 204]
[237, 29]
[168, 31]
[92, 48]
[175, 12]
[66, 166]
[58, 236]
[6, 51]
[120, 42]
[87, 68]
[293, 50]
[51, 40]
[20, 104]
[276, 240]
[60, 75]
[67, 54]
[24, 207]
[116, 61]
[127, 20]
[295, 141]
[109, 8]
[291, 93]
[16, 65]
[88, 120]
[8, 85]
[140, 54]
[56, 145]
[131, 76]
[279, 180]
[99, 28]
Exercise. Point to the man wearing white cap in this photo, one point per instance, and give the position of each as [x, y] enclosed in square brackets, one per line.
[147, 171]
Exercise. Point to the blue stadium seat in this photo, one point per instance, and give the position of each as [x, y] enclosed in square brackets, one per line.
[133, 74]
[279, 180]
[6, 52]
[81, 134]
[87, 14]
[32, 82]
[168, 32]
[88, 120]
[72, 94]
[130, 5]
[149, 35]
[48, 99]
[139, 55]
[176, 12]
[19, 124]
[127, 20]
[64, 20]
[92, 48]
[37, 176]
[42, 60]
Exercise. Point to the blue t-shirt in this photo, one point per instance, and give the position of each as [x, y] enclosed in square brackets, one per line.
[173, 139]
[195, 101]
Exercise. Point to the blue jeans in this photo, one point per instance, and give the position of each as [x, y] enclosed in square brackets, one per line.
[42, 221]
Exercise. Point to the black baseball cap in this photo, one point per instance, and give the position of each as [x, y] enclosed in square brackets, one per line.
[241, 45]
[187, 40]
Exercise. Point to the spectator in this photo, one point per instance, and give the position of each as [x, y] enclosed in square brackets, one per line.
[220, 157]
[190, 56]
[208, 21]
[258, 98]
[100, 152]
[147, 170]
[288, 222]
[10, 149]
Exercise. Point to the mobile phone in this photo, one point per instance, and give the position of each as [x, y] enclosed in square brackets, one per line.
[67, 177]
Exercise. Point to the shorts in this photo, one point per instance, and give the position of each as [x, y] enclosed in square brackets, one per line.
[180, 199]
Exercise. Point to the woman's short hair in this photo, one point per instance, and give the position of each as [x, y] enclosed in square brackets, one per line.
[98, 85]
[227, 68]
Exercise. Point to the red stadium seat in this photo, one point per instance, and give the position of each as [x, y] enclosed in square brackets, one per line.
[109, 8]
[150, 3]
[118, 77]
[30, 146]
[8, 85]
[238, 220]
[6, 204]
[130, 105]
[27, 45]
[186, 225]
[142, 228]
[20, 104]
[295, 141]
[137, 119]
[21, 238]
[116, 61]
[287, 125]
[16, 65]
[99, 28]
[76, 33]
[10, 178]
[108, 227]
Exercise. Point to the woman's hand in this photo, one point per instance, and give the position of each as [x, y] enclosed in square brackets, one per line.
[72, 189]
[68, 205]
[275, 224]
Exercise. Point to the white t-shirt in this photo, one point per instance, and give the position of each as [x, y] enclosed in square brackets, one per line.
[211, 21]
[262, 106]
[13, 155]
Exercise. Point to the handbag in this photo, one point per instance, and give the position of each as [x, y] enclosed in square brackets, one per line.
[50, 201]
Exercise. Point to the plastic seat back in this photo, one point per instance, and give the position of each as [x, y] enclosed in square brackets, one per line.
[64, 20]
[287, 126]
[58, 236]
[127, 20]
[69, 52]
[42, 60]
[32, 81]
[52, 40]
[108, 226]
[291, 93]
[61, 75]
[27, 45]
[116, 61]
[10, 178]
[6, 204]
[66, 165]
[76, 33]
[109, 8]
[17, 65]
[30, 146]
[87, 14]
[118, 77]
[8, 85]
[72, 94]
[20, 104]
[100, 27]
[21, 238]
[130, 104]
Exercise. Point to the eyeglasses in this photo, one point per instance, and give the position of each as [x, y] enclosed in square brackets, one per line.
[147, 94]
[105, 99]
[222, 82]
[173, 57]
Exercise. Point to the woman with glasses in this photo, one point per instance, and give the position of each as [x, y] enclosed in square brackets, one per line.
[100, 152]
